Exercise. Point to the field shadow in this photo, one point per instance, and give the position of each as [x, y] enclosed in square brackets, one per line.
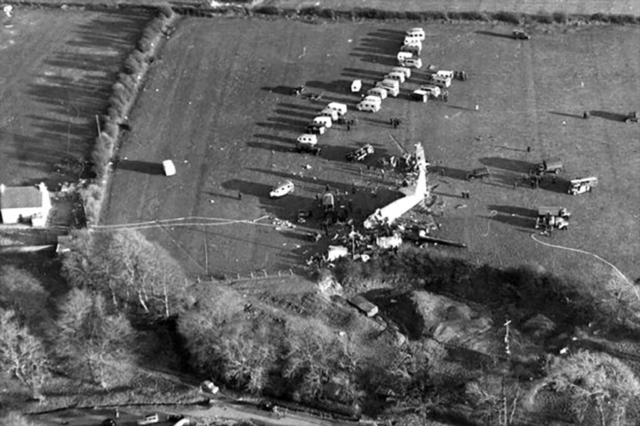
[613, 116]
[141, 167]
[507, 164]
[494, 34]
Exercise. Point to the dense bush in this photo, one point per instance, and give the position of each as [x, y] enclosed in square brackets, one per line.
[509, 17]
[560, 17]
[474, 16]
[149, 284]
[267, 10]
[94, 345]
[543, 18]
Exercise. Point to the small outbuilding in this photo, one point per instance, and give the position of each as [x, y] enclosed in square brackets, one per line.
[22, 204]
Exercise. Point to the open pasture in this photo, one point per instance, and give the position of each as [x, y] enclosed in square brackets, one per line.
[218, 102]
[586, 7]
[56, 72]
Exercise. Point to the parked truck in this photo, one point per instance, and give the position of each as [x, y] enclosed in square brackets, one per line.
[553, 217]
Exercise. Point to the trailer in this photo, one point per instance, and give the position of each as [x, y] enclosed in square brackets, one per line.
[582, 185]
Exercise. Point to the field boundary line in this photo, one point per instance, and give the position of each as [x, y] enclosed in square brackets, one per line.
[533, 236]
[170, 222]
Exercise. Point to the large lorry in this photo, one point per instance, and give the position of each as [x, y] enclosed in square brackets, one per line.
[553, 217]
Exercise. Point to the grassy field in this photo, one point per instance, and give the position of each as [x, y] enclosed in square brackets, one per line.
[55, 75]
[218, 103]
[526, 6]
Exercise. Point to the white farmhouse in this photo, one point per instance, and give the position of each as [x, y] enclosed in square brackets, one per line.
[25, 203]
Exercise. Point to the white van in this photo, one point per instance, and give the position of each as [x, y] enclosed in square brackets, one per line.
[433, 91]
[169, 168]
[416, 32]
[412, 63]
[324, 120]
[378, 91]
[414, 48]
[307, 139]
[403, 56]
[439, 80]
[372, 98]
[408, 39]
[392, 86]
[398, 76]
[331, 113]
[405, 71]
[368, 105]
[446, 74]
[340, 108]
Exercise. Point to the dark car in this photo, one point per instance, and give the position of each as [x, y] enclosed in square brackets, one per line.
[316, 128]
[266, 406]
[479, 173]
[360, 153]
[520, 35]
[303, 147]
[109, 422]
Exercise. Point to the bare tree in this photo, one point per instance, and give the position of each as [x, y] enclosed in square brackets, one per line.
[130, 271]
[93, 344]
[23, 293]
[593, 380]
[16, 419]
[21, 354]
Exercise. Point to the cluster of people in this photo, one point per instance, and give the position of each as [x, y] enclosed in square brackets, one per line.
[395, 122]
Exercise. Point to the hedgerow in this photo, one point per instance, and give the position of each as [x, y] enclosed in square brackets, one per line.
[123, 94]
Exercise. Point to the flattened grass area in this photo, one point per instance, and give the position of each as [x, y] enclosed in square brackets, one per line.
[56, 73]
[525, 6]
[219, 103]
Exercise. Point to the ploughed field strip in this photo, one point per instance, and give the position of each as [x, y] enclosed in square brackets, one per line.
[56, 74]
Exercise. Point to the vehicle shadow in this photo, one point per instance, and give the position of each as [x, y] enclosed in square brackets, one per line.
[494, 34]
[294, 113]
[279, 90]
[140, 167]
[564, 114]
[450, 172]
[271, 146]
[511, 215]
[608, 115]
[336, 86]
[273, 138]
[358, 73]
[508, 164]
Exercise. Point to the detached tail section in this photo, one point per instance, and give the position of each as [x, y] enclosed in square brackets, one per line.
[391, 212]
